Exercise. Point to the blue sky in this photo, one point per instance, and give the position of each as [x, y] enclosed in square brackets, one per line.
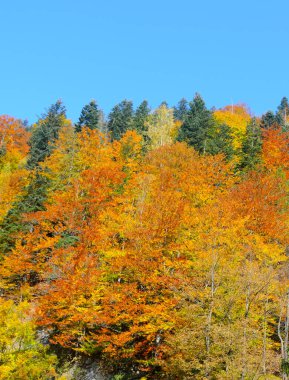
[229, 51]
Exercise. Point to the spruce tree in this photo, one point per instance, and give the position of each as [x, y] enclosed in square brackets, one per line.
[283, 113]
[89, 117]
[33, 197]
[268, 120]
[220, 140]
[120, 119]
[181, 110]
[194, 130]
[251, 146]
[45, 133]
[140, 117]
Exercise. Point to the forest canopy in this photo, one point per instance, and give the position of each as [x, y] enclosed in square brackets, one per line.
[153, 241]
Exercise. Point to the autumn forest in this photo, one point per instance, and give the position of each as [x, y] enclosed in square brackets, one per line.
[152, 242]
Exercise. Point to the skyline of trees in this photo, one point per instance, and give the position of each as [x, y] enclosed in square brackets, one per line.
[156, 244]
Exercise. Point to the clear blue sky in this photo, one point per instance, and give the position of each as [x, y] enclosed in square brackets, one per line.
[109, 50]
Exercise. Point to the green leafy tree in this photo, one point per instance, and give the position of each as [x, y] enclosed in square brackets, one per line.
[89, 117]
[120, 119]
[199, 120]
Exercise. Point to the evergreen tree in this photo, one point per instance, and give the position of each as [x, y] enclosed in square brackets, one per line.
[196, 125]
[283, 113]
[251, 146]
[45, 133]
[89, 117]
[220, 140]
[164, 103]
[181, 110]
[120, 119]
[140, 117]
[268, 120]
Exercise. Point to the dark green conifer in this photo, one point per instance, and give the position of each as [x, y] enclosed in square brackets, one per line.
[181, 110]
[140, 118]
[268, 120]
[282, 114]
[220, 140]
[251, 146]
[89, 117]
[45, 133]
[120, 119]
[194, 130]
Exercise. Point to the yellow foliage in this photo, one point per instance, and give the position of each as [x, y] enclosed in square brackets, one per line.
[237, 118]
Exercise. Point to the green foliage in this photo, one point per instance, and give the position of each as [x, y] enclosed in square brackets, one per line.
[120, 119]
[140, 117]
[195, 128]
[181, 110]
[32, 199]
[268, 120]
[283, 113]
[251, 146]
[220, 140]
[89, 117]
[45, 133]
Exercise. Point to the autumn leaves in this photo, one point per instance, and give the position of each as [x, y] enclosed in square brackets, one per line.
[167, 261]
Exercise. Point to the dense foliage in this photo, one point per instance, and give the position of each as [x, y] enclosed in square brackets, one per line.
[156, 243]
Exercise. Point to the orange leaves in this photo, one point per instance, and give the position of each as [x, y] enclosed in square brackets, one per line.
[275, 152]
[126, 240]
[13, 136]
[13, 151]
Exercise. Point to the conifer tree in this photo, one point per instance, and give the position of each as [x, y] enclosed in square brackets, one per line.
[181, 110]
[251, 146]
[45, 133]
[140, 117]
[268, 120]
[283, 113]
[89, 117]
[220, 140]
[32, 199]
[120, 119]
[194, 130]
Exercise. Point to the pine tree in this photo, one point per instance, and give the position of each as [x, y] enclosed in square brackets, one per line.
[194, 130]
[89, 117]
[45, 133]
[220, 140]
[140, 117]
[181, 110]
[268, 120]
[251, 146]
[120, 119]
[283, 113]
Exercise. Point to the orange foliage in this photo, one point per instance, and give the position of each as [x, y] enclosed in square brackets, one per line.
[275, 153]
[13, 150]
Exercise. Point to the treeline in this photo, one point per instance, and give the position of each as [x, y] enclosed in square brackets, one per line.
[155, 242]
